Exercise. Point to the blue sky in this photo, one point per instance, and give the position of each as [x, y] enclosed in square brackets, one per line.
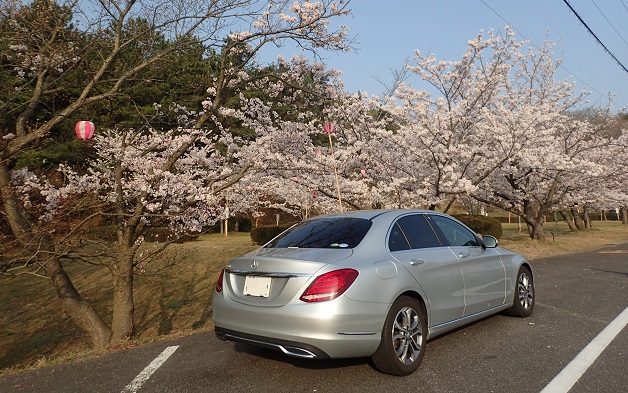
[388, 32]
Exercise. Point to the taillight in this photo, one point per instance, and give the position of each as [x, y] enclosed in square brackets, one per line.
[219, 282]
[330, 285]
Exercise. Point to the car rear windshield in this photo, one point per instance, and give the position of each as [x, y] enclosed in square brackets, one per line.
[333, 232]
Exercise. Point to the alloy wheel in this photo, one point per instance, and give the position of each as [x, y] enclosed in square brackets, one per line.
[407, 335]
[525, 291]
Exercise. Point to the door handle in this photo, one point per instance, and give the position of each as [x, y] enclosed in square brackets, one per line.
[464, 255]
[415, 262]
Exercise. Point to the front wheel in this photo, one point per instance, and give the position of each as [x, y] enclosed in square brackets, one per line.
[523, 302]
[403, 339]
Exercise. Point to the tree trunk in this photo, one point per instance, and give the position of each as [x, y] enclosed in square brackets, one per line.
[75, 307]
[123, 313]
[577, 220]
[536, 231]
[570, 223]
[587, 220]
[450, 204]
[534, 218]
[624, 215]
[70, 300]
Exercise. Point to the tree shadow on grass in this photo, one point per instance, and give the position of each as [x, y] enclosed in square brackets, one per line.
[28, 346]
[177, 303]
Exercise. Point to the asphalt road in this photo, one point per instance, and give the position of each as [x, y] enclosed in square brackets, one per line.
[577, 297]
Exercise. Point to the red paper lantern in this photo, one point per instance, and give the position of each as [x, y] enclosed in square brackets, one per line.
[84, 129]
[328, 128]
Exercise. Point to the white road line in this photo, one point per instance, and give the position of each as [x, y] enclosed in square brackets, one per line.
[149, 370]
[574, 370]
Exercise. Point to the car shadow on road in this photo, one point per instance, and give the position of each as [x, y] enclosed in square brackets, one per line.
[322, 364]
[313, 364]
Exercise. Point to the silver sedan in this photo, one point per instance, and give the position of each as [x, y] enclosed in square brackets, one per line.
[374, 283]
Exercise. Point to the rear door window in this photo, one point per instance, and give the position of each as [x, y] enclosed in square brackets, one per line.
[418, 231]
[412, 232]
[397, 241]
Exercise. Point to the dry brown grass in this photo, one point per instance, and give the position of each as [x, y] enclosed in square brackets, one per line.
[177, 301]
[170, 301]
[560, 241]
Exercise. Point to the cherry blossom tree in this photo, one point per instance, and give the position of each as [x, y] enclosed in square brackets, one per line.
[45, 55]
[603, 189]
[496, 129]
[419, 150]
[553, 150]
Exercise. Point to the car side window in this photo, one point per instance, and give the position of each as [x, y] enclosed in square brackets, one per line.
[418, 231]
[397, 241]
[455, 234]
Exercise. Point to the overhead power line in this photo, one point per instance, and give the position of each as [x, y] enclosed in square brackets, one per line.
[594, 36]
[532, 43]
[609, 22]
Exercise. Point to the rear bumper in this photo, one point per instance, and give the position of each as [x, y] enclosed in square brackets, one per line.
[340, 328]
[290, 348]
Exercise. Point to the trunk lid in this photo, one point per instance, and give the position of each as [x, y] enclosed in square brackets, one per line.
[272, 277]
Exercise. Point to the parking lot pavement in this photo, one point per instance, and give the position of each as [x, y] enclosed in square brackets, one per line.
[578, 296]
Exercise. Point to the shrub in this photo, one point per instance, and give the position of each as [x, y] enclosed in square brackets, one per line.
[482, 224]
[244, 225]
[262, 235]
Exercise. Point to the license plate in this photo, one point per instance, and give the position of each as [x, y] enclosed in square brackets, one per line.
[257, 286]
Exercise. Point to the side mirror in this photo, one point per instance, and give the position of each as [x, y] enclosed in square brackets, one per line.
[490, 241]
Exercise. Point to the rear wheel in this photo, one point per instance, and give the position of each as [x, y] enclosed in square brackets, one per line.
[523, 302]
[403, 339]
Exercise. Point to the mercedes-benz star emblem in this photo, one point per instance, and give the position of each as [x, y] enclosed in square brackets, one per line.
[254, 265]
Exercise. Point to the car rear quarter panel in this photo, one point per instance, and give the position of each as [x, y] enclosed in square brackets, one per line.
[382, 281]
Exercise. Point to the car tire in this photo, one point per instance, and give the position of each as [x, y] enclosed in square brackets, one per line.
[402, 345]
[524, 296]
